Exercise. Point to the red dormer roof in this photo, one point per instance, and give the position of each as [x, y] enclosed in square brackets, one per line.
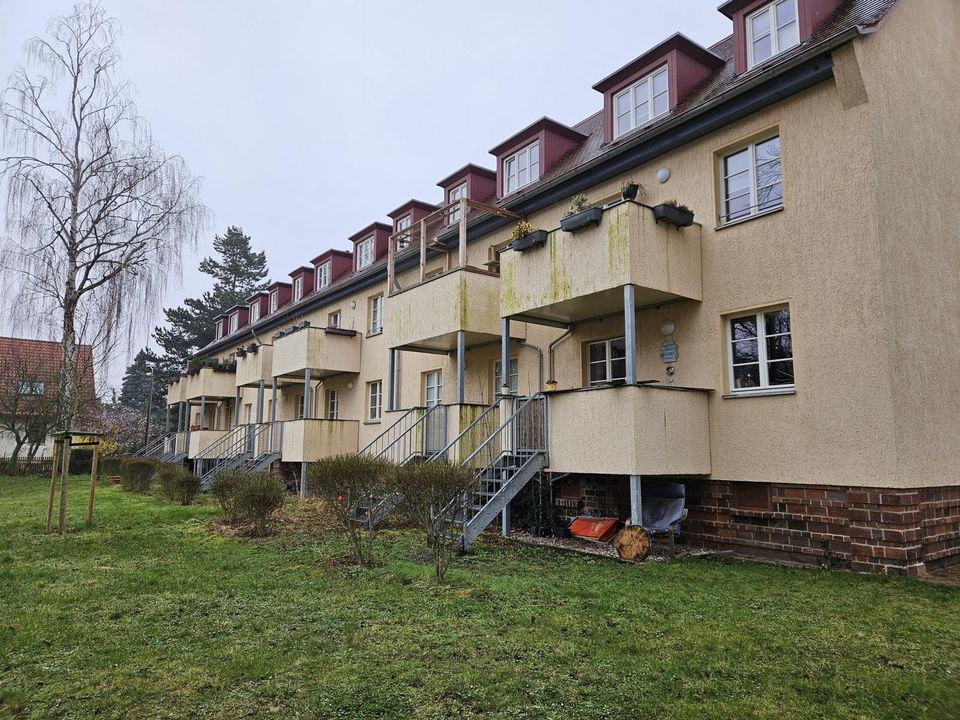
[305, 272]
[556, 140]
[416, 209]
[283, 290]
[340, 263]
[687, 64]
[481, 183]
[243, 315]
[380, 232]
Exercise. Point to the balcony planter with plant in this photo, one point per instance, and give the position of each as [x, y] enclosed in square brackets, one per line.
[581, 214]
[673, 213]
[526, 237]
[631, 190]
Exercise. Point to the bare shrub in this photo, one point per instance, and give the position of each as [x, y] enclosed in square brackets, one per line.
[351, 487]
[256, 497]
[177, 484]
[137, 474]
[224, 487]
[429, 496]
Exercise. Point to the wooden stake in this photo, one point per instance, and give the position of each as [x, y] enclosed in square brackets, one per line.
[93, 483]
[64, 472]
[53, 485]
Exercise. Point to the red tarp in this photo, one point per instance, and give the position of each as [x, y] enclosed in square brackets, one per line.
[594, 528]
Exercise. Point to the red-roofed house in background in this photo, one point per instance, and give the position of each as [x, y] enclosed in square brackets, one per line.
[29, 398]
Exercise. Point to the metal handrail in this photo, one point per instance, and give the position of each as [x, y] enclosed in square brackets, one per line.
[453, 443]
[406, 451]
[377, 439]
[235, 436]
[503, 426]
[151, 448]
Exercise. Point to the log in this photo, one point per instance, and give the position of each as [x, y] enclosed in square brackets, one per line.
[632, 544]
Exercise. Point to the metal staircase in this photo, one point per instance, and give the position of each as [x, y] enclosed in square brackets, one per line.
[505, 461]
[246, 447]
[155, 448]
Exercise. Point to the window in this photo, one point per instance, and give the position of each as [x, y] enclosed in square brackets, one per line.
[403, 224]
[376, 314]
[29, 387]
[233, 322]
[514, 376]
[323, 275]
[432, 388]
[460, 191]
[761, 351]
[297, 288]
[333, 404]
[521, 168]
[220, 328]
[273, 301]
[248, 412]
[752, 182]
[333, 319]
[374, 399]
[641, 102]
[298, 409]
[364, 253]
[771, 30]
[607, 361]
[254, 311]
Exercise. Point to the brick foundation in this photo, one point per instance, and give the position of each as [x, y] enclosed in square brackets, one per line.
[902, 531]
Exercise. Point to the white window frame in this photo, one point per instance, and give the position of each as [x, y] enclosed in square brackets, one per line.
[32, 388]
[254, 311]
[334, 319]
[432, 381]
[220, 329]
[298, 288]
[521, 162]
[333, 404]
[636, 122]
[514, 375]
[751, 150]
[234, 322]
[324, 274]
[374, 400]
[375, 314]
[298, 407]
[455, 194]
[764, 388]
[404, 223]
[775, 48]
[608, 361]
[274, 300]
[365, 253]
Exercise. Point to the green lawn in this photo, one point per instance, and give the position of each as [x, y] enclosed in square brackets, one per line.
[151, 615]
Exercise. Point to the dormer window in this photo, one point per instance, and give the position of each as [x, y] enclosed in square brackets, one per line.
[254, 311]
[273, 301]
[403, 224]
[771, 30]
[521, 168]
[233, 323]
[219, 329]
[323, 275]
[297, 288]
[457, 193]
[642, 102]
[365, 253]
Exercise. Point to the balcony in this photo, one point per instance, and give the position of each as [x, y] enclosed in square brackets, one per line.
[630, 430]
[580, 276]
[255, 367]
[175, 392]
[310, 440]
[200, 440]
[209, 383]
[427, 316]
[323, 351]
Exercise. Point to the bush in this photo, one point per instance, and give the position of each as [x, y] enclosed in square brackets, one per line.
[427, 493]
[137, 474]
[351, 486]
[111, 465]
[256, 497]
[223, 487]
[177, 484]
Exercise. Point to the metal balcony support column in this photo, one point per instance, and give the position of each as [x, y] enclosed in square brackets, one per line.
[236, 409]
[630, 332]
[461, 366]
[636, 506]
[166, 420]
[303, 481]
[505, 521]
[260, 403]
[391, 378]
[273, 400]
[462, 241]
[203, 412]
[306, 396]
[505, 356]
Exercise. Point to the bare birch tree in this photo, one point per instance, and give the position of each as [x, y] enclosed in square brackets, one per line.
[98, 214]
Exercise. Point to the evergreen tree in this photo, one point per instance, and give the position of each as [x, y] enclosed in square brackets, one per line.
[237, 271]
[147, 367]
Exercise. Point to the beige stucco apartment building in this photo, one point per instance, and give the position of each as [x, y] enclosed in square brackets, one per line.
[786, 359]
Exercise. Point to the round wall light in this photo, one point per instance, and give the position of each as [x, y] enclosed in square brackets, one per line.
[663, 174]
[667, 327]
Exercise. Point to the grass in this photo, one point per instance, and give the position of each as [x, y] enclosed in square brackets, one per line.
[152, 615]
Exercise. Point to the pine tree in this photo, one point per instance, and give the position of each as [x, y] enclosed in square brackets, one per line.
[238, 272]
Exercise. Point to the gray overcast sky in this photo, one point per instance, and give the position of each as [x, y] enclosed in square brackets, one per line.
[309, 120]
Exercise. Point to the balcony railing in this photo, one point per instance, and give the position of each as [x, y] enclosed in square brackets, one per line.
[254, 366]
[310, 440]
[440, 233]
[205, 382]
[323, 351]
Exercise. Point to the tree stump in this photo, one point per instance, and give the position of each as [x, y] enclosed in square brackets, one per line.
[632, 544]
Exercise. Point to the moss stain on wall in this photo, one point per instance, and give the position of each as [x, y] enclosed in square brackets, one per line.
[618, 251]
[559, 282]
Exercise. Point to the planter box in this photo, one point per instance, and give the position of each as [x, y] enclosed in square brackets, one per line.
[590, 216]
[534, 239]
[673, 216]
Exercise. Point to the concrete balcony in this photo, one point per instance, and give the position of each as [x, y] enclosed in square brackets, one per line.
[255, 367]
[428, 316]
[175, 392]
[323, 351]
[309, 440]
[630, 430]
[208, 383]
[580, 276]
[200, 440]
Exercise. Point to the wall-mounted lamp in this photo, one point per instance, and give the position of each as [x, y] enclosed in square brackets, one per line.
[349, 386]
[667, 327]
[663, 174]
